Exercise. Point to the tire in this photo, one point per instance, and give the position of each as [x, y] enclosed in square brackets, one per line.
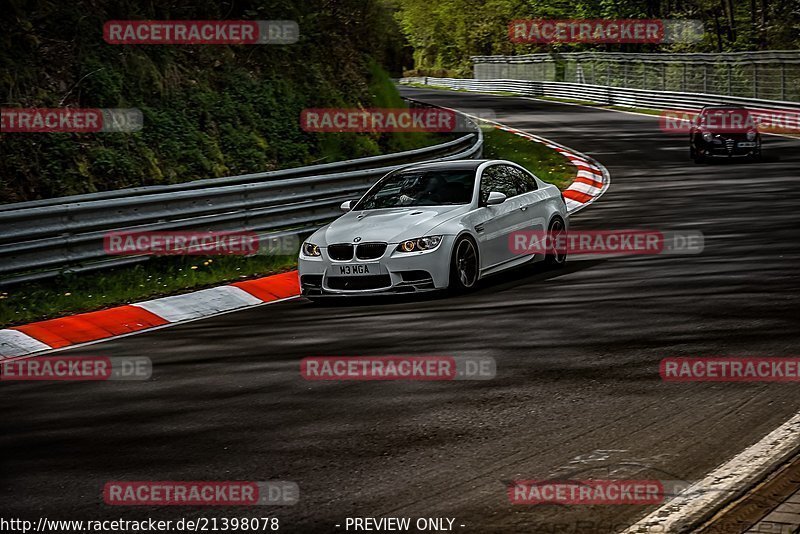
[464, 266]
[554, 258]
[699, 158]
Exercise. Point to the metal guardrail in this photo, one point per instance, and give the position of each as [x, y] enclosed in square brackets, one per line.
[410, 156]
[767, 75]
[41, 239]
[619, 96]
[764, 56]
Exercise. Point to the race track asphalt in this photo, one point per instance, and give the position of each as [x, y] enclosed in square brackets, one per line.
[577, 392]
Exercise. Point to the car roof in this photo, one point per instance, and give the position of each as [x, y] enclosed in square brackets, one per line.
[453, 165]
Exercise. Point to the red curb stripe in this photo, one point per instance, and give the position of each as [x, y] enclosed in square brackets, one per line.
[577, 196]
[588, 169]
[102, 324]
[91, 326]
[577, 161]
[589, 181]
[279, 286]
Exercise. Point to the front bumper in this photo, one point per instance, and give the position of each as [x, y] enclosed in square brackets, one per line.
[393, 272]
[730, 149]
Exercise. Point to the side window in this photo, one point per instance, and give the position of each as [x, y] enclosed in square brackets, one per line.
[502, 179]
[526, 181]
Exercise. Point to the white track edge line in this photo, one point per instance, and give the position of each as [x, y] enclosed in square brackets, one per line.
[680, 508]
[724, 483]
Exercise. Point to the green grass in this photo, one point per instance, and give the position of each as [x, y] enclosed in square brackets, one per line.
[70, 294]
[646, 111]
[444, 87]
[544, 162]
[430, 86]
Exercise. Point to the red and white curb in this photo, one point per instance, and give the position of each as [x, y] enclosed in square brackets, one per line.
[591, 181]
[28, 339]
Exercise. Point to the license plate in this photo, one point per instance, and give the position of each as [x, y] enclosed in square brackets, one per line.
[747, 144]
[357, 269]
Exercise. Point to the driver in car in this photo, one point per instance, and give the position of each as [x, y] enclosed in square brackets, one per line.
[414, 193]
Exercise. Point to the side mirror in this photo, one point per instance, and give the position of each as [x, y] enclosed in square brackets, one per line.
[346, 205]
[495, 198]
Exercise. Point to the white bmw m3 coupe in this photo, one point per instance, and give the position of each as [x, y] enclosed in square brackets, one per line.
[432, 226]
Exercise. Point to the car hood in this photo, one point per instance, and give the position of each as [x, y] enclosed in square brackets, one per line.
[390, 225]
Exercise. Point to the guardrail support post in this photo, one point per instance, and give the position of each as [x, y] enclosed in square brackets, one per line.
[730, 79]
[683, 80]
[755, 80]
[783, 81]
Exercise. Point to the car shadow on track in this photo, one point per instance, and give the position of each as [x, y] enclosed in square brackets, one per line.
[506, 280]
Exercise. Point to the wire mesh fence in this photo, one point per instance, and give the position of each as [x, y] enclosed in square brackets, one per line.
[773, 75]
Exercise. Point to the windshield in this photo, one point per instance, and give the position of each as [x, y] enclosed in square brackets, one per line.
[421, 188]
[727, 119]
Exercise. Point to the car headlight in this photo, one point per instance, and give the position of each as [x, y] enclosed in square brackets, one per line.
[420, 244]
[310, 249]
[707, 137]
[751, 135]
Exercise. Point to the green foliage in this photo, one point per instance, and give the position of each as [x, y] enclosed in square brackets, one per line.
[446, 33]
[209, 111]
